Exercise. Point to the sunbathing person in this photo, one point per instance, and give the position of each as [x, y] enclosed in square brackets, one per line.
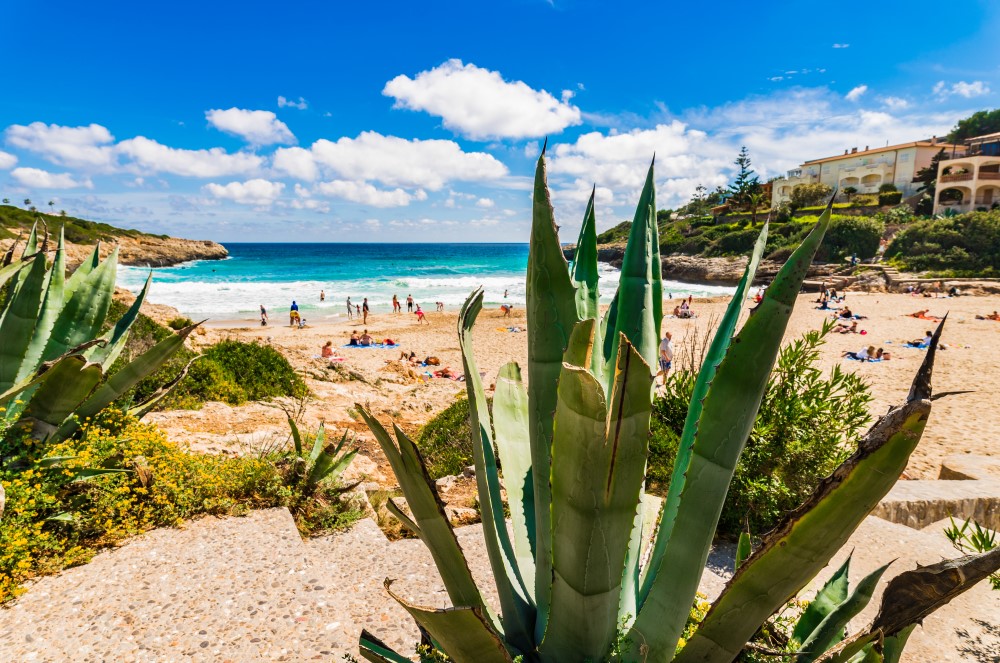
[366, 340]
[992, 316]
[842, 328]
[864, 354]
[327, 350]
[922, 342]
[355, 338]
[923, 315]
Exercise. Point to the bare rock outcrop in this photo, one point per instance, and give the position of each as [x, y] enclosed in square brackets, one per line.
[144, 250]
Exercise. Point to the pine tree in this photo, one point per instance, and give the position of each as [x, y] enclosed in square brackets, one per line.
[746, 181]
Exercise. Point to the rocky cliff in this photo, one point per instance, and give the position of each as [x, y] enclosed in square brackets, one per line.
[698, 269]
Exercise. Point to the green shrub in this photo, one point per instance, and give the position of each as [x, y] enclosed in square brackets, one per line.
[445, 441]
[178, 324]
[167, 485]
[964, 244]
[890, 198]
[734, 242]
[888, 187]
[805, 195]
[851, 235]
[808, 423]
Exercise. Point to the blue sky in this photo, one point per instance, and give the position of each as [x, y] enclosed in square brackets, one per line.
[331, 121]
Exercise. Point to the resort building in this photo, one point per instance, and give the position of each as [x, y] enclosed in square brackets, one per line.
[970, 181]
[866, 170]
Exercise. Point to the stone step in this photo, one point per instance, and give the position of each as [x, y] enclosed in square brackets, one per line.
[237, 589]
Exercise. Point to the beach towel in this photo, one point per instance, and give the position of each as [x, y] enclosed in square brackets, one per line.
[376, 346]
[918, 346]
[861, 360]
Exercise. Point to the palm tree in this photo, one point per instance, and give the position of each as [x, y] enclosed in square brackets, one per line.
[6, 201]
[755, 199]
[849, 191]
[62, 212]
[32, 209]
[51, 205]
[27, 202]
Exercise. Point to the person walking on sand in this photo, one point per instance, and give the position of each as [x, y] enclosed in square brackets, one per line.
[364, 310]
[293, 313]
[263, 316]
[409, 303]
[396, 308]
[350, 309]
[666, 354]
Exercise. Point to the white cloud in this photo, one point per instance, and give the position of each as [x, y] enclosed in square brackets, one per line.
[258, 192]
[393, 161]
[841, 45]
[257, 127]
[485, 203]
[480, 104]
[856, 93]
[297, 162]
[7, 160]
[42, 179]
[367, 194]
[895, 103]
[961, 89]
[75, 147]
[284, 102]
[215, 162]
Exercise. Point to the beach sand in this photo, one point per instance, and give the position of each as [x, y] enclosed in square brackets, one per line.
[960, 423]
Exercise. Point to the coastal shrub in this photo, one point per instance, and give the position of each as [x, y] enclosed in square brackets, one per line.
[805, 195]
[180, 323]
[445, 441]
[851, 235]
[960, 245]
[808, 424]
[890, 198]
[53, 520]
[737, 242]
[887, 187]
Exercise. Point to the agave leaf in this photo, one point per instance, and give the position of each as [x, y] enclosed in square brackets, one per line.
[49, 312]
[318, 443]
[832, 594]
[90, 263]
[601, 450]
[296, 437]
[126, 378]
[85, 309]
[40, 375]
[585, 275]
[743, 550]
[31, 246]
[374, 650]
[804, 542]
[892, 647]
[645, 523]
[463, 633]
[728, 413]
[145, 407]
[66, 385]
[516, 605]
[551, 313]
[713, 359]
[117, 337]
[428, 513]
[402, 517]
[830, 631]
[637, 288]
[19, 322]
[510, 407]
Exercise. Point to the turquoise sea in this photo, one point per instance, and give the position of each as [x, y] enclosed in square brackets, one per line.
[276, 274]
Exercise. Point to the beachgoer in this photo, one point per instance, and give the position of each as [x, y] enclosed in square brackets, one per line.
[505, 294]
[357, 310]
[263, 316]
[366, 339]
[322, 295]
[923, 342]
[396, 308]
[355, 338]
[350, 309]
[666, 354]
[420, 314]
[506, 308]
[864, 354]
[846, 313]
[432, 361]
[293, 313]
[440, 307]
[327, 350]
[364, 311]
[409, 304]
[842, 328]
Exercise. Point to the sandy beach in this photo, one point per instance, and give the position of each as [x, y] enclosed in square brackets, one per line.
[960, 423]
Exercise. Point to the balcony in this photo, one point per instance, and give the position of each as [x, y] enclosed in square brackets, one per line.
[960, 177]
[988, 176]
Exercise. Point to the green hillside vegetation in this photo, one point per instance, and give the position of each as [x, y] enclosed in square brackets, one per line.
[232, 372]
[961, 245]
[15, 222]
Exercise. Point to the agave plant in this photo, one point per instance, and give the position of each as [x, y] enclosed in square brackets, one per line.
[323, 462]
[592, 569]
[54, 361]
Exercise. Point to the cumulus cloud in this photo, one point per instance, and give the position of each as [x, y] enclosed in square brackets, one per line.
[257, 192]
[257, 127]
[367, 194]
[485, 203]
[394, 161]
[284, 102]
[856, 93]
[7, 160]
[961, 89]
[480, 104]
[37, 178]
[296, 162]
[215, 162]
[75, 147]
[895, 103]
